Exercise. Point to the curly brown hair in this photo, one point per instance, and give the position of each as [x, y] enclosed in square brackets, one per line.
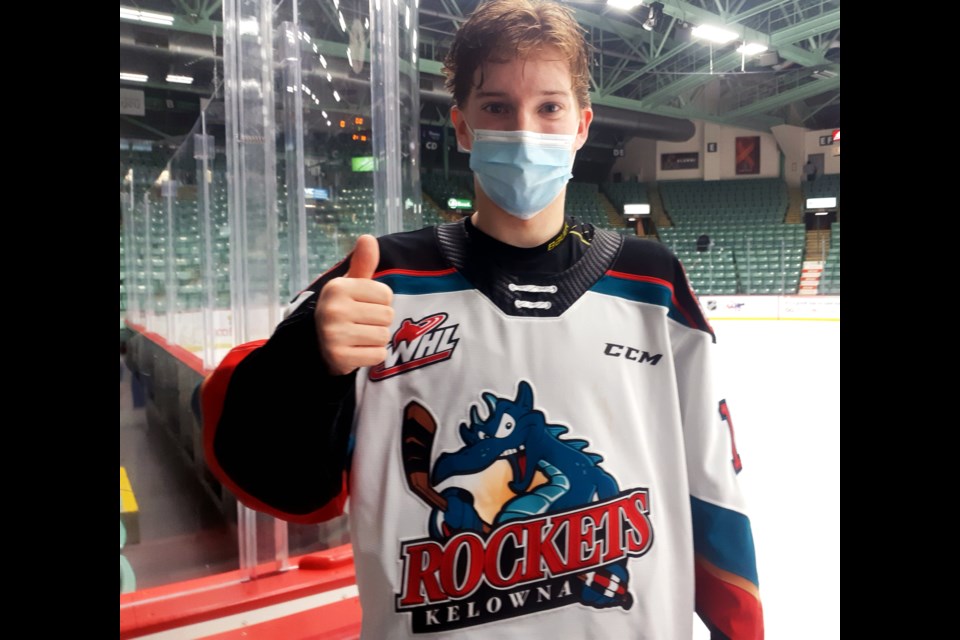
[501, 30]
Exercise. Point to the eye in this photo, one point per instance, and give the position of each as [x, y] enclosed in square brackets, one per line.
[506, 426]
[553, 107]
[495, 108]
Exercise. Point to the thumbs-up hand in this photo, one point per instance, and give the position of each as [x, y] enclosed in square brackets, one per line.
[353, 313]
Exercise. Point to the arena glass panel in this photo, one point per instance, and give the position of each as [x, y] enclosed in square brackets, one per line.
[295, 155]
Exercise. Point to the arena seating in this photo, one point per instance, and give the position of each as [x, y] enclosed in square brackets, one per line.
[824, 186]
[621, 193]
[760, 201]
[583, 203]
[751, 250]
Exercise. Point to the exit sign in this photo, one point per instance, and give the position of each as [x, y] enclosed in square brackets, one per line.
[459, 203]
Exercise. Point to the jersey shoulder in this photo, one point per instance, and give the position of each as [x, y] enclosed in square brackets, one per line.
[641, 259]
[644, 257]
[417, 250]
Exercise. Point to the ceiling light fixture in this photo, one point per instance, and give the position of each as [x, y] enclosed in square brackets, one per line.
[626, 5]
[179, 79]
[714, 34]
[751, 49]
[133, 77]
[150, 17]
[654, 14]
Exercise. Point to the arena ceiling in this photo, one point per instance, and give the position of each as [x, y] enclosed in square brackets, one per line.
[662, 73]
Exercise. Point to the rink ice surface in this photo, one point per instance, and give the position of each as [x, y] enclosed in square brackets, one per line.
[782, 384]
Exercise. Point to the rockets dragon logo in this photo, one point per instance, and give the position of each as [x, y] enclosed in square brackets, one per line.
[529, 520]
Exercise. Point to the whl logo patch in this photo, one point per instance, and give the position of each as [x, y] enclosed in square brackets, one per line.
[417, 344]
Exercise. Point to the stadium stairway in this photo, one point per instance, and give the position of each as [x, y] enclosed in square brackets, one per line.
[614, 219]
[818, 244]
[657, 212]
[794, 206]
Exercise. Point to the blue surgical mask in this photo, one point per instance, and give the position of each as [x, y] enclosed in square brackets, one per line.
[521, 171]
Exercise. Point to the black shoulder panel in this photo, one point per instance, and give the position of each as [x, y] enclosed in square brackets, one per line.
[651, 259]
[642, 257]
[412, 250]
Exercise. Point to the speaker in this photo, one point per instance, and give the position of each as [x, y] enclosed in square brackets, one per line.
[768, 59]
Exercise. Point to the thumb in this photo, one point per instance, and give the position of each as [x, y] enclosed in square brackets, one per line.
[366, 256]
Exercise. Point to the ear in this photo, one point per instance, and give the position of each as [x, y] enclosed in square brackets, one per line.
[464, 139]
[583, 127]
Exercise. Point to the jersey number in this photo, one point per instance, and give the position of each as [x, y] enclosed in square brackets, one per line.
[725, 416]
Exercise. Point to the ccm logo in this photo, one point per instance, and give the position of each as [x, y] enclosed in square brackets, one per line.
[631, 353]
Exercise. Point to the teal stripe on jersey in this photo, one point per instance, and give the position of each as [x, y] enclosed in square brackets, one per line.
[640, 291]
[724, 538]
[404, 284]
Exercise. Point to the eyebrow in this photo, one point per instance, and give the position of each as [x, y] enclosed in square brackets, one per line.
[502, 94]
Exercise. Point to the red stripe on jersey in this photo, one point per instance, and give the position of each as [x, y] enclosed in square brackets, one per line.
[696, 301]
[659, 281]
[414, 272]
[733, 610]
[633, 276]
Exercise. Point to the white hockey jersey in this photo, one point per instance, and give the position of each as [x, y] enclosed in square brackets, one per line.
[538, 457]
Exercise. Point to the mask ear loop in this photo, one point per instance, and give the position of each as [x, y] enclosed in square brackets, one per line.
[473, 136]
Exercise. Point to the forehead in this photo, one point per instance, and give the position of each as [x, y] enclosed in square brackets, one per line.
[542, 71]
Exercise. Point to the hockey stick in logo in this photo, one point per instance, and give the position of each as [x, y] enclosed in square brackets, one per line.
[419, 430]
[417, 435]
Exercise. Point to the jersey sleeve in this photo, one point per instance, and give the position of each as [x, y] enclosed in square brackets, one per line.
[727, 586]
[276, 423]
